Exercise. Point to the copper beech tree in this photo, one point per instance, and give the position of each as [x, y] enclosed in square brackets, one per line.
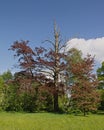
[83, 85]
[45, 66]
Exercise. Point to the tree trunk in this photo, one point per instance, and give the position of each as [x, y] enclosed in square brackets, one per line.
[56, 105]
[84, 112]
[56, 72]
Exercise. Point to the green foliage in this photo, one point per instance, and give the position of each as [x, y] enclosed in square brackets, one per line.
[101, 107]
[45, 101]
[28, 102]
[11, 100]
[7, 75]
[64, 104]
[23, 94]
[74, 56]
[2, 84]
[100, 75]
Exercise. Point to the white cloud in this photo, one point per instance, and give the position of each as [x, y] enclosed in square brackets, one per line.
[95, 47]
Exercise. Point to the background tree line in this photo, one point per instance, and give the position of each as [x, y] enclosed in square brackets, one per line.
[52, 80]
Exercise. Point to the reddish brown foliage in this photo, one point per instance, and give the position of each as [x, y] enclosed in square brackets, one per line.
[83, 91]
[43, 65]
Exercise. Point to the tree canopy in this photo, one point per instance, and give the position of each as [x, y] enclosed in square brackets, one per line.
[48, 76]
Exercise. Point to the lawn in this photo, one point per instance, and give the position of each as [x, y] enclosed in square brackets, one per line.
[49, 121]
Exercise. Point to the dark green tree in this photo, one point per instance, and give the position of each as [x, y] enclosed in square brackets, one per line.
[7, 75]
[100, 75]
[101, 105]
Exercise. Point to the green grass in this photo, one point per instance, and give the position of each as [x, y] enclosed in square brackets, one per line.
[49, 121]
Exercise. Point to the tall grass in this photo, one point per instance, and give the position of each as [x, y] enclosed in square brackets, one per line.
[48, 121]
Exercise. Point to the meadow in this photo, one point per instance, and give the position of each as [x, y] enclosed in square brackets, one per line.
[49, 121]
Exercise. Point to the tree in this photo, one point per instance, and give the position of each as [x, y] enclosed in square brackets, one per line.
[56, 65]
[84, 95]
[7, 75]
[20, 94]
[100, 75]
[43, 65]
[74, 56]
[25, 56]
[101, 105]
[2, 84]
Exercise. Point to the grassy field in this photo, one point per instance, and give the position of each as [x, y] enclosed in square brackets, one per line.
[48, 121]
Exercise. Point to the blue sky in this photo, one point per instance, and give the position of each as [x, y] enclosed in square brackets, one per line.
[33, 20]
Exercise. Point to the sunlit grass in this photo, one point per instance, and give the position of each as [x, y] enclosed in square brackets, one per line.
[49, 121]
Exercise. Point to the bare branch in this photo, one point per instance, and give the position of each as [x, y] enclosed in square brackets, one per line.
[49, 42]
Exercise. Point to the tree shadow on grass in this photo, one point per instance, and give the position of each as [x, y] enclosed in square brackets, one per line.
[100, 113]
